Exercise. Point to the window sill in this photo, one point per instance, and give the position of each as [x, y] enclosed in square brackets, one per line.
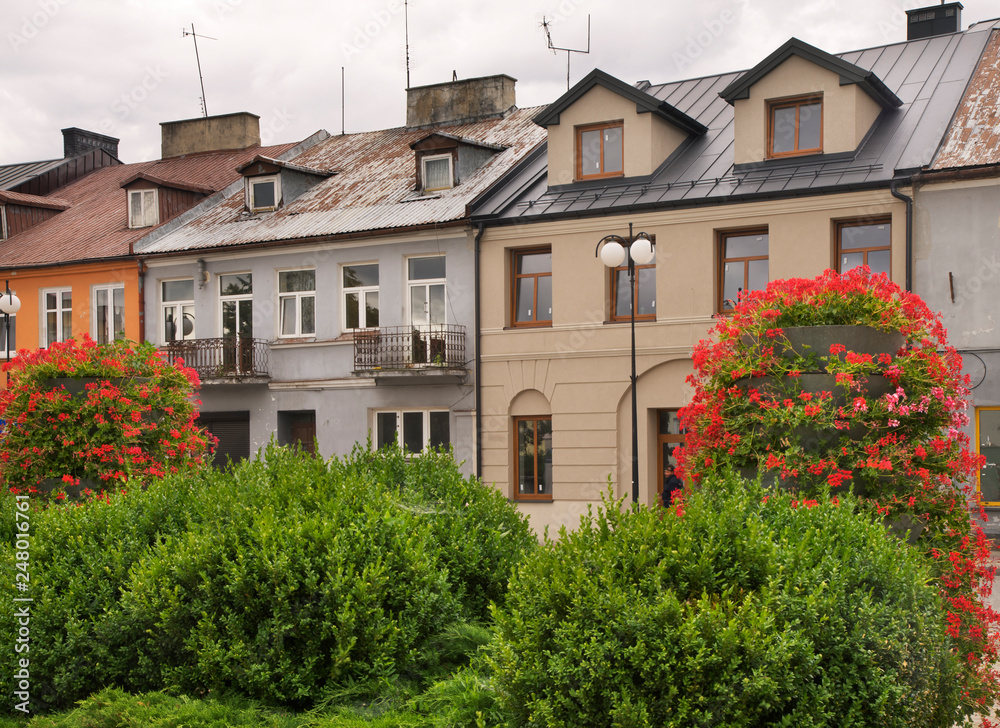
[532, 500]
[523, 327]
[628, 320]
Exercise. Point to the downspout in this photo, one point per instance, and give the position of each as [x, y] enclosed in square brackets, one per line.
[894, 191]
[142, 300]
[479, 362]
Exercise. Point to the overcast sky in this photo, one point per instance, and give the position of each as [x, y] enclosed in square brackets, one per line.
[120, 67]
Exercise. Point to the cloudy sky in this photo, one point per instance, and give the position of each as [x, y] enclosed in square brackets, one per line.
[120, 67]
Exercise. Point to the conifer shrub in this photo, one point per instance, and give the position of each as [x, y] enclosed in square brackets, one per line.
[744, 610]
[274, 581]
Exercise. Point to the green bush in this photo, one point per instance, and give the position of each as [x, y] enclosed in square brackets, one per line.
[744, 611]
[276, 580]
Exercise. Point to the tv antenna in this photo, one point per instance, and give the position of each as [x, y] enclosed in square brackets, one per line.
[406, 37]
[554, 48]
[194, 36]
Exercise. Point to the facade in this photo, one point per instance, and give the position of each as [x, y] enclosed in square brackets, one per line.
[802, 163]
[956, 239]
[332, 296]
[69, 252]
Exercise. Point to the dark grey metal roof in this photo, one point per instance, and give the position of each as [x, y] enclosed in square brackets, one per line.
[11, 175]
[928, 76]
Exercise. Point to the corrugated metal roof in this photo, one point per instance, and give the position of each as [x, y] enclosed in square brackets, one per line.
[374, 188]
[19, 198]
[96, 225]
[928, 75]
[11, 175]
[974, 137]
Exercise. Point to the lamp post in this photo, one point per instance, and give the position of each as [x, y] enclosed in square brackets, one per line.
[9, 305]
[640, 250]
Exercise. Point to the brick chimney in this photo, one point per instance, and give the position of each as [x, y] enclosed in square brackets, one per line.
[472, 99]
[934, 20]
[209, 134]
[79, 141]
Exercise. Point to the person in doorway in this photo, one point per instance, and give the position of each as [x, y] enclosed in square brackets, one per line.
[671, 484]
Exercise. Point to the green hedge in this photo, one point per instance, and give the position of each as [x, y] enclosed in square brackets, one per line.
[276, 580]
[745, 611]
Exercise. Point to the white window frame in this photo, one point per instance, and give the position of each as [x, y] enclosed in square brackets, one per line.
[178, 311]
[150, 209]
[59, 310]
[3, 222]
[297, 296]
[235, 298]
[251, 202]
[362, 292]
[433, 158]
[426, 425]
[110, 288]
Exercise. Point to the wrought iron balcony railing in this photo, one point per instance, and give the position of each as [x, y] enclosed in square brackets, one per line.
[226, 358]
[394, 348]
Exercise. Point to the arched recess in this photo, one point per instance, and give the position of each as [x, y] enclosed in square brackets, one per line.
[661, 387]
[531, 435]
[529, 402]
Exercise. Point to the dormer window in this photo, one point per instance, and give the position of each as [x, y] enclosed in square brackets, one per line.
[795, 126]
[436, 172]
[263, 193]
[3, 222]
[143, 210]
[599, 151]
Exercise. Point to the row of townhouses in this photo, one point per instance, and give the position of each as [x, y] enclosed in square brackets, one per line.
[437, 284]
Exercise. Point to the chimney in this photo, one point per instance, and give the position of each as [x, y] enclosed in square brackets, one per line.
[935, 20]
[209, 134]
[79, 141]
[465, 101]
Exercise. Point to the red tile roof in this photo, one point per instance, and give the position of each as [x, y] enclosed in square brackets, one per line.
[95, 227]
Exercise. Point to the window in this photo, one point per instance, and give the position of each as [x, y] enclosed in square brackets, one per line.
[58, 322]
[236, 295]
[233, 432]
[109, 313]
[435, 172]
[414, 430]
[670, 438]
[297, 302]
[795, 126]
[744, 265]
[263, 193]
[298, 428]
[3, 222]
[177, 310]
[531, 296]
[533, 458]
[143, 210]
[5, 345]
[645, 293]
[864, 243]
[599, 151]
[361, 296]
[988, 430]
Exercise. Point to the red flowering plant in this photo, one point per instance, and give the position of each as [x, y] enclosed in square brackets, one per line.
[81, 418]
[847, 383]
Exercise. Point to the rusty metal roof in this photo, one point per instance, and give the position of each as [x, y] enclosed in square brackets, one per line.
[974, 137]
[19, 198]
[95, 227]
[374, 188]
[927, 75]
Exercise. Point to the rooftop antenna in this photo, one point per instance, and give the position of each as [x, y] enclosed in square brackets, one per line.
[195, 37]
[406, 37]
[343, 102]
[553, 48]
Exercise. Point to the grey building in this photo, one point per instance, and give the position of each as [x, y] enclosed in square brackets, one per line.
[332, 294]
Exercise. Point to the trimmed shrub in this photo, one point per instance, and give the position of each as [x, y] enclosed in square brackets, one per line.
[276, 580]
[746, 610]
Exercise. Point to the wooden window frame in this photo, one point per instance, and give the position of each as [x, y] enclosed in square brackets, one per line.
[627, 317]
[841, 225]
[251, 202]
[515, 277]
[795, 102]
[536, 496]
[149, 214]
[721, 272]
[620, 124]
[3, 222]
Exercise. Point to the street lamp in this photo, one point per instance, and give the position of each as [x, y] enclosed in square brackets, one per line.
[9, 305]
[640, 251]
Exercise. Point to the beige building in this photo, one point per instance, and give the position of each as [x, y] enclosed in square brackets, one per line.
[803, 163]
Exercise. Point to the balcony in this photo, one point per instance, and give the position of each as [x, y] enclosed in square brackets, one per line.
[434, 354]
[230, 359]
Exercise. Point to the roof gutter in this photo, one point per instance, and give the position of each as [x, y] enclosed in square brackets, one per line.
[894, 191]
[479, 361]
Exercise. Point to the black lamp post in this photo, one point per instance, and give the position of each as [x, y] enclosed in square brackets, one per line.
[639, 250]
[9, 305]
